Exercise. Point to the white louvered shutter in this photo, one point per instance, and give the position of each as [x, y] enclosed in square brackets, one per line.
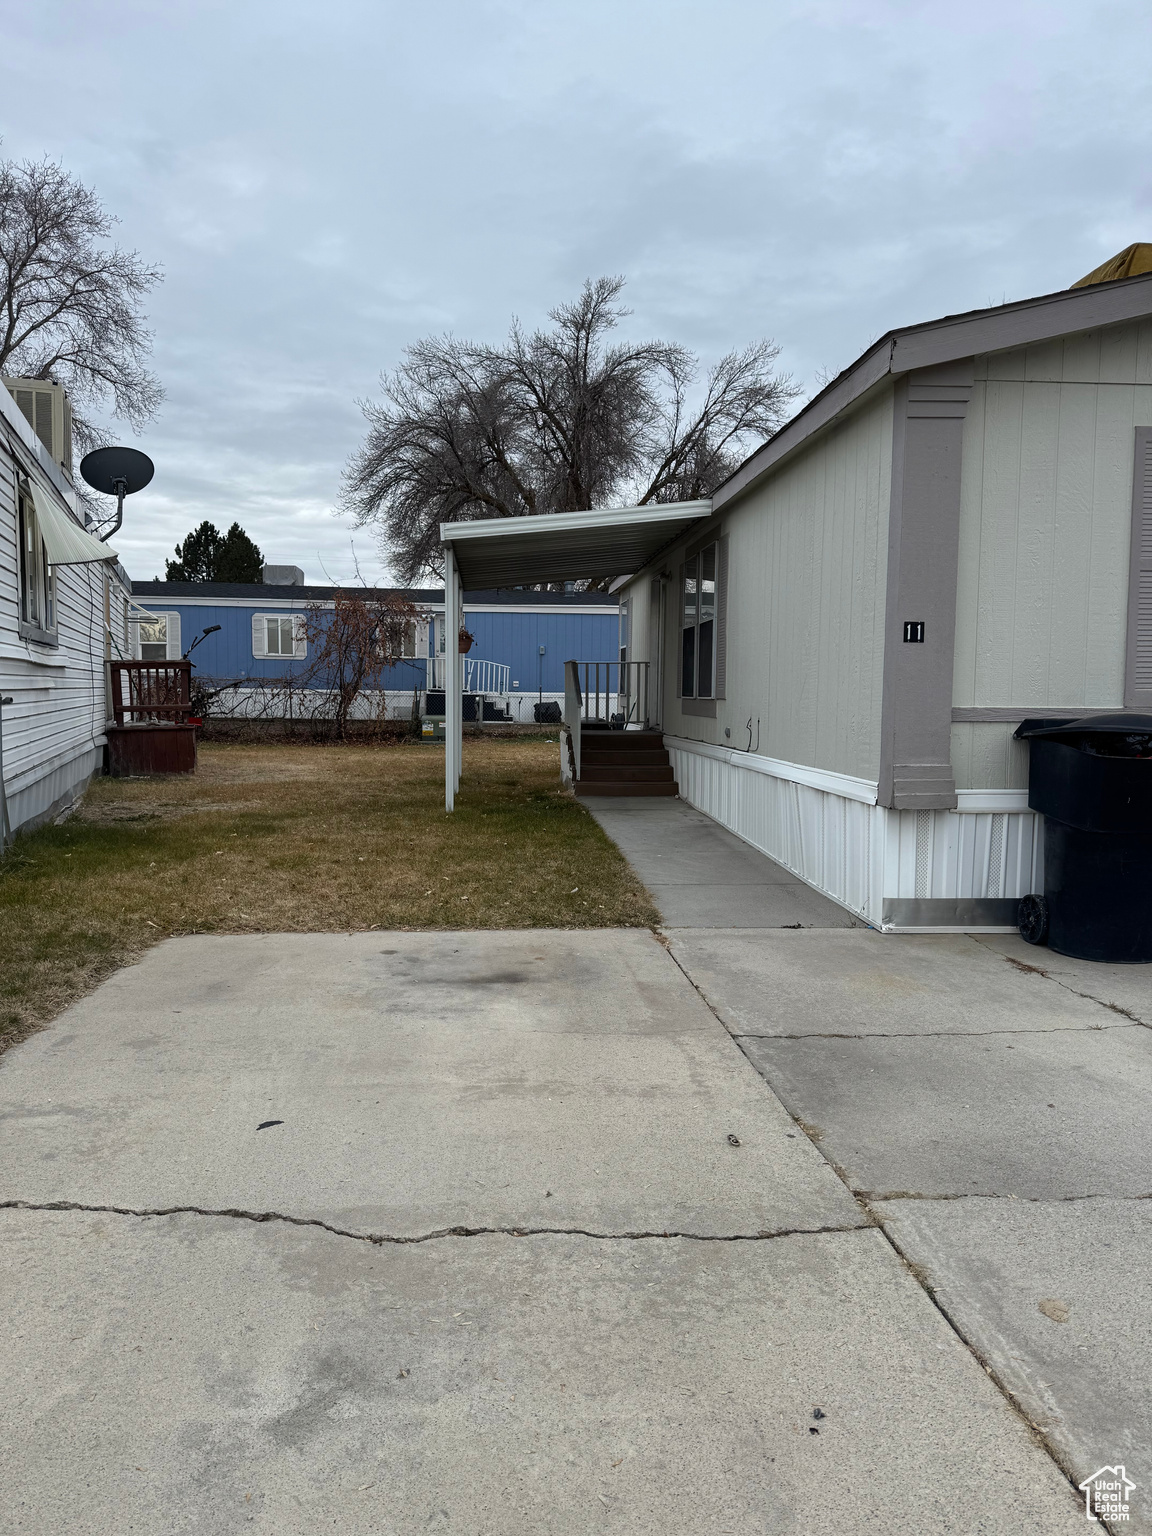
[1138, 671]
[259, 635]
[174, 650]
[299, 640]
[722, 619]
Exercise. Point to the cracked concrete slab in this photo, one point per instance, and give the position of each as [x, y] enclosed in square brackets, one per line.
[193, 1375]
[411, 1082]
[858, 982]
[1039, 1116]
[1057, 1298]
[1124, 987]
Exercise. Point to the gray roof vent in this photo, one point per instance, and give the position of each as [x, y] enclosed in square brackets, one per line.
[282, 576]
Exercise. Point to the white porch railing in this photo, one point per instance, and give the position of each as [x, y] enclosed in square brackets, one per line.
[613, 690]
[479, 676]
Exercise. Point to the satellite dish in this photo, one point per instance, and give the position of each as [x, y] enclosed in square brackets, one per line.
[117, 472]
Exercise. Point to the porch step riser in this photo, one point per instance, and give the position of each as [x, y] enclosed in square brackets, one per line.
[624, 759]
[622, 741]
[592, 788]
[657, 774]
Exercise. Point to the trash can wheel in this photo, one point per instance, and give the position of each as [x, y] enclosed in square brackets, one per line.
[1032, 919]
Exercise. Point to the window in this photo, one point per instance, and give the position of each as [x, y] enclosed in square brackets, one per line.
[278, 634]
[37, 578]
[158, 637]
[280, 637]
[698, 625]
[154, 638]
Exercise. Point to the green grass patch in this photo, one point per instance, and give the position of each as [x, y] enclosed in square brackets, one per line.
[278, 838]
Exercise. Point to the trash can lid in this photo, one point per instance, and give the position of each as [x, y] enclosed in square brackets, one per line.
[1121, 722]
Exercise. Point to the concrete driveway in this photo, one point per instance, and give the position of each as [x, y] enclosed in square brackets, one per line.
[989, 1104]
[485, 1232]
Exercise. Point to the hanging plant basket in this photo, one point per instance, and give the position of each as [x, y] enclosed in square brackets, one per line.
[465, 642]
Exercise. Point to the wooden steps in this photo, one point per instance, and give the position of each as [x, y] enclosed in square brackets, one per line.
[624, 763]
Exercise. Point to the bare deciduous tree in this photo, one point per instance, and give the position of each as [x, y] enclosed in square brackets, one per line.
[553, 421]
[352, 644]
[70, 304]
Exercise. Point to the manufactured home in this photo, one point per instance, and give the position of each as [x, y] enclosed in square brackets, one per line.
[838, 646]
[520, 642]
[65, 609]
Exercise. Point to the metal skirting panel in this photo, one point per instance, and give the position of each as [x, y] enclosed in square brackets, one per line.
[963, 855]
[971, 912]
[938, 869]
[826, 840]
[52, 796]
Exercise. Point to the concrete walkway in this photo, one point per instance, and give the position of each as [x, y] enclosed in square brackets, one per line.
[703, 876]
[988, 1103]
[484, 1232]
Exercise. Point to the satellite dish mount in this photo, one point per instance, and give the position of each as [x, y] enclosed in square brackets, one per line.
[117, 472]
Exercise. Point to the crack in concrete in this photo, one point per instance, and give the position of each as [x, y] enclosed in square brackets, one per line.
[915, 1271]
[385, 1239]
[935, 1034]
[873, 1196]
[1038, 970]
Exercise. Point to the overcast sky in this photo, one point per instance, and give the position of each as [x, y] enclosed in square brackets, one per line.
[326, 183]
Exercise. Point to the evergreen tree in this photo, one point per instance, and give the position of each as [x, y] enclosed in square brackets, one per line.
[208, 555]
[196, 558]
[238, 558]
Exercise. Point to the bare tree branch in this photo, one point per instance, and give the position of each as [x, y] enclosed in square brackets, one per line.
[70, 305]
[558, 420]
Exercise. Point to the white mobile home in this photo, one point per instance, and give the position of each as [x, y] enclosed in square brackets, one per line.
[64, 610]
[954, 535]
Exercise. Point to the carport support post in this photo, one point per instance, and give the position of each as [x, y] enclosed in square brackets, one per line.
[453, 675]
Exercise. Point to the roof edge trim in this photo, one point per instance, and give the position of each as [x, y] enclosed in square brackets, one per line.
[970, 334]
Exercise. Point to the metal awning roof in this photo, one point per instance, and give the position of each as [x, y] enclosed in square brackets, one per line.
[567, 546]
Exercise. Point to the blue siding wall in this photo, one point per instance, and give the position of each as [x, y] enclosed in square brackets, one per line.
[512, 637]
[515, 638]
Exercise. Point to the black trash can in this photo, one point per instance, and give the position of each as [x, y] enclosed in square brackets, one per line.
[1092, 779]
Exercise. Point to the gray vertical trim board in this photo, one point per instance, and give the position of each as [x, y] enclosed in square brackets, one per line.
[722, 618]
[1138, 660]
[923, 562]
[678, 661]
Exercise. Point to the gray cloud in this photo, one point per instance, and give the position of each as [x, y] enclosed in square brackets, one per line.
[325, 184]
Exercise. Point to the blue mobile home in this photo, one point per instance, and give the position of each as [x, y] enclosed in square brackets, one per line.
[521, 639]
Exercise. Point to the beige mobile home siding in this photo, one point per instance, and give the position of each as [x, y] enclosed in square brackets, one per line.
[807, 562]
[1044, 537]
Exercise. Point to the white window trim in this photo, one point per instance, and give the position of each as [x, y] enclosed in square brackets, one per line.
[44, 628]
[172, 645]
[260, 649]
[697, 557]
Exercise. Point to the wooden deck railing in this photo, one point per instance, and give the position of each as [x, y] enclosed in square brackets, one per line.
[151, 691]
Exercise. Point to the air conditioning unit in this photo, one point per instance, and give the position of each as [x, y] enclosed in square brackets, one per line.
[49, 413]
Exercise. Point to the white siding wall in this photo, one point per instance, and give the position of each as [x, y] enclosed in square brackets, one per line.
[54, 727]
[1044, 536]
[807, 563]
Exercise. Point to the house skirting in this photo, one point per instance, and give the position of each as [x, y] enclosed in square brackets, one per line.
[50, 790]
[901, 871]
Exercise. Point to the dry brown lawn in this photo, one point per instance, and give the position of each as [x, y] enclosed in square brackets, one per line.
[277, 838]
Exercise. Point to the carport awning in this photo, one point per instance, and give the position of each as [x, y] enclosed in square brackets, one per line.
[569, 546]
